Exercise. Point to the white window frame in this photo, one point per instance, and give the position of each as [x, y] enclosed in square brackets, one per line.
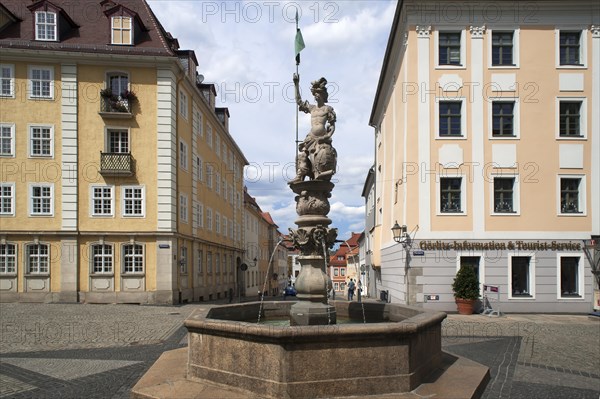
[30, 192]
[209, 135]
[183, 259]
[134, 256]
[463, 118]
[93, 199]
[516, 118]
[12, 198]
[436, 43]
[113, 129]
[210, 171]
[218, 183]
[183, 104]
[516, 194]
[30, 70]
[120, 30]
[583, 125]
[463, 193]
[11, 80]
[38, 35]
[199, 168]
[11, 127]
[218, 222]
[30, 140]
[124, 199]
[582, 195]
[225, 227]
[532, 263]
[582, 46]
[217, 145]
[183, 208]
[224, 151]
[103, 255]
[4, 257]
[516, 34]
[183, 155]
[580, 276]
[209, 218]
[196, 120]
[28, 258]
[200, 215]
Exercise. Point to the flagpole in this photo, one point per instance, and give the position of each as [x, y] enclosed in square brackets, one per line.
[297, 110]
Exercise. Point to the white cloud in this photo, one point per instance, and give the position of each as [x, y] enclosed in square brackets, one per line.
[240, 53]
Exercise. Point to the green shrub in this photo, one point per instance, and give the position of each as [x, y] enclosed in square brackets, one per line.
[466, 285]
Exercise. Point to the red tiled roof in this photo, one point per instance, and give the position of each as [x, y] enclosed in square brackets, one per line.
[268, 218]
[91, 31]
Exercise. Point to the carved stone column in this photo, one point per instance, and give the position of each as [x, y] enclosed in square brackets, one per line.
[313, 237]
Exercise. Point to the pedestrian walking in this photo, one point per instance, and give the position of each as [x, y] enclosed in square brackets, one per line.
[351, 287]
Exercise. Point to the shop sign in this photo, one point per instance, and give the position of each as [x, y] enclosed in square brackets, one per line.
[493, 245]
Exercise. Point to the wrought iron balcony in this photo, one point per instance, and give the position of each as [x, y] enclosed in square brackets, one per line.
[115, 107]
[112, 163]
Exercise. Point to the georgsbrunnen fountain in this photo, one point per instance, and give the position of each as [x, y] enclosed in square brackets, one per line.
[381, 350]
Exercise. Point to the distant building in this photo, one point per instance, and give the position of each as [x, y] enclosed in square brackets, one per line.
[120, 181]
[343, 264]
[487, 148]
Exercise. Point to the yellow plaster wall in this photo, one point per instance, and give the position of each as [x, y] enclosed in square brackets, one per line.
[23, 170]
[142, 134]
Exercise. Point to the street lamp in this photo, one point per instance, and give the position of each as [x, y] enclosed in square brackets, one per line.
[399, 233]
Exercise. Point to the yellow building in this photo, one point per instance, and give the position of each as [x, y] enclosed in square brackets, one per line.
[487, 150]
[119, 179]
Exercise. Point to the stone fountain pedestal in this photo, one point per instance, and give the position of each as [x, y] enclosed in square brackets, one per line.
[313, 237]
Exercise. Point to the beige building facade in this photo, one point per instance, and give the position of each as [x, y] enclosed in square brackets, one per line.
[119, 179]
[487, 147]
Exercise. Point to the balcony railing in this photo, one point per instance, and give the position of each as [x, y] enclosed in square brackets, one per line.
[112, 163]
[115, 107]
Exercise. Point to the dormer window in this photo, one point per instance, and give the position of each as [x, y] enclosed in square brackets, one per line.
[45, 25]
[122, 32]
[126, 26]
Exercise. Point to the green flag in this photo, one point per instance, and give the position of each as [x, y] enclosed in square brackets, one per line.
[299, 42]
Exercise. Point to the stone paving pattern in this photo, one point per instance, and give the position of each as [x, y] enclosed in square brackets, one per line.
[101, 351]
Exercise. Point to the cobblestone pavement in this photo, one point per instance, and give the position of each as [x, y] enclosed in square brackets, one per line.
[530, 356]
[100, 351]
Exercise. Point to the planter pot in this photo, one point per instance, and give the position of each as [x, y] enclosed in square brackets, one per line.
[465, 306]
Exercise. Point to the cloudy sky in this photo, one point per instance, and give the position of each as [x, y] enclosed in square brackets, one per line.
[246, 48]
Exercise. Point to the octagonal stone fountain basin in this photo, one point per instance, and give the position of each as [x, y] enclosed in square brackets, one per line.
[392, 353]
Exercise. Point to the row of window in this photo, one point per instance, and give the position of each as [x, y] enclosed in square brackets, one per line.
[218, 145]
[41, 140]
[452, 198]
[521, 283]
[504, 117]
[224, 265]
[47, 28]
[102, 200]
[222, 225]
[339, 271]
[504, 48]
[40, 81]
[38, 256]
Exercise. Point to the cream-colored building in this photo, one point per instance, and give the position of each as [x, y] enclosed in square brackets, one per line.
[108, 196]
[487, 147]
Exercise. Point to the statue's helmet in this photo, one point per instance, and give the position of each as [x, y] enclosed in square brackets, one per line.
[320, 87]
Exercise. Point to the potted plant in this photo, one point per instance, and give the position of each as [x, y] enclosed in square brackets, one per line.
[106, 92]
[466, 289]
